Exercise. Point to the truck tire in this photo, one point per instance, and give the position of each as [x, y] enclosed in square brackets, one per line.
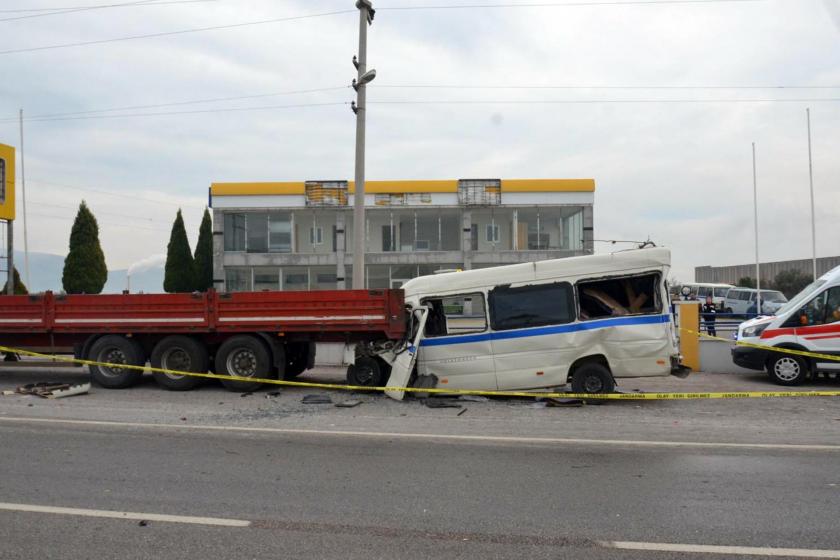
[116, 349]
[180, 353]
[785, 369]
[297, 360]
[365, 373]
[592, 378]
[243, 356]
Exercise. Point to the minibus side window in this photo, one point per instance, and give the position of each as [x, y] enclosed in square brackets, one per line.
[617, 297]
[456, 315]
[531, 306]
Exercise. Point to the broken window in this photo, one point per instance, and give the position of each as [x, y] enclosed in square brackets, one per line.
[617, 297]
[531, 306]
[456, 315]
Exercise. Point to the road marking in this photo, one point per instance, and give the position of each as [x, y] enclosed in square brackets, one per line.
[728, 550]
[217, 521]
[444, 437]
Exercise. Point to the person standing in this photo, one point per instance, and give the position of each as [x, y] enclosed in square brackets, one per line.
[708, 310]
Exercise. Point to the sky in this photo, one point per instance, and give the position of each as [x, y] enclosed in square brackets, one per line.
[658, 101]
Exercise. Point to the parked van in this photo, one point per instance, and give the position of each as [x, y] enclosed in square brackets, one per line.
[810, 322]
[586, 320]
[742, 301]
[700, 290]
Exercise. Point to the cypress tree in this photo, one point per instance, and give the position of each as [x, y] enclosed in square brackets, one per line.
[20, 287]
[178, 275]
[84, 268]
[203, 257]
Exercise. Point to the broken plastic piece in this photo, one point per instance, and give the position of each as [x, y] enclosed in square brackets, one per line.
[348, 404]
[54, 390]
[441, 403]
[473, 398]
[316, 399]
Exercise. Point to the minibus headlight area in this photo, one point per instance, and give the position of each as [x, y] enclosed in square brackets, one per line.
[754, 331]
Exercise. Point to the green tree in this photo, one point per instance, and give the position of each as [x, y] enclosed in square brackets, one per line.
[791, 282]
[178, 275]
[746, 282]
[203, 257]
[20, 287]
[85, 271]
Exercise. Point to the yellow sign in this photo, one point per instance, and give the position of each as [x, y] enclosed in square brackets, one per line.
[7, 182]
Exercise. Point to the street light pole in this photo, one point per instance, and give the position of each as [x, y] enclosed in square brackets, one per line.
[755, 212]
[359, 107]
[811, 181]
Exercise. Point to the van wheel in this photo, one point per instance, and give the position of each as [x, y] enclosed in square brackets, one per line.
[243, 356]
[180, 353]
[592, 378]
[115, 349]
[785, 369]
[365, 373]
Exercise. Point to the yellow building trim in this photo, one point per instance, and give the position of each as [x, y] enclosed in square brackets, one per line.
[398, 187]
[548, 185]
[7, 202]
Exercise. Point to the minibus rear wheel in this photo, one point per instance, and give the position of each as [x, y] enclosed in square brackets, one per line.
[592, 378]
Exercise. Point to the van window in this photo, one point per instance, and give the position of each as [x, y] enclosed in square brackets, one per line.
[703, 291]
[615, 297]
[744, 296]
[822, 310]
[531, 306]
[721, 292]
[456, 315]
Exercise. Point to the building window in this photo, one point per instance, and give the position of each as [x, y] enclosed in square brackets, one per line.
[257, 228]
[238, 279]
[316, 235]
[234, 232]
[531, 306]
[295, 278]
[266, 279]
[279, 232]
[492, 233]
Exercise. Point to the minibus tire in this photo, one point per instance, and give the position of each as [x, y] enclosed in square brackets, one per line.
[366, 372]
[592, 378]
[787, 370]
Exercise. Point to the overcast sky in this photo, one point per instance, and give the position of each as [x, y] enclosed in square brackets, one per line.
[677, 172]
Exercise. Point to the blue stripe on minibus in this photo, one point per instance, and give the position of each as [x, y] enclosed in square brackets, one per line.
[541, 331]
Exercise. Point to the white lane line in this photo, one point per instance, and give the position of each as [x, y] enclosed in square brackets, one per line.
[217, 521]
[444, 437]
[728, 550]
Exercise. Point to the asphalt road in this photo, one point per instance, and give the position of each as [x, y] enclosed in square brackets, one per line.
[323, 496]
[270, 477]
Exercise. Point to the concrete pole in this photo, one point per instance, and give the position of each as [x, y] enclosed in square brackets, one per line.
[23, 192]
[10, 251]
[755, 211]
[811, 181]
[359, 195]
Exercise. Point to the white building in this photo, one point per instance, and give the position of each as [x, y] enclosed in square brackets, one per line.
[298, 236]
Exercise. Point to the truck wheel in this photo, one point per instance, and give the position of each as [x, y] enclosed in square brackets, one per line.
[785, 369]
[116, 349]
[243, 356]
[365, 373]
[180, 353]
[296, 360]
[592, 378]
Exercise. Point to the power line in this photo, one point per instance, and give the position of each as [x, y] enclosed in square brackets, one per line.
[192, 112]
[176, 103]
[101, 212]
[119, 195]
[66, 219]
[137, 3]
[596, 101]
[560, 4]
[179, 32]
[598, 87]
[30, 10]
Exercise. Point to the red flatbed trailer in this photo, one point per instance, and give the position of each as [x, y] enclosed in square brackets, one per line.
[248, 334]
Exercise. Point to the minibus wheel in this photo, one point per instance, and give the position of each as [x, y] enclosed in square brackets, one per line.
[785, 369]
[592, 378]
[365, 373]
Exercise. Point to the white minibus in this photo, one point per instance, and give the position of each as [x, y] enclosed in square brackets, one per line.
[587, 320]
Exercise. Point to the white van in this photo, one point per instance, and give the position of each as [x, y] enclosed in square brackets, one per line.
[588, 320]
[742, 301]
[810, 322]
[700, 290]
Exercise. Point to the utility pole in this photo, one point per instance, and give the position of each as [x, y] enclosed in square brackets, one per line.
[811, 181]
[359, 107]
[23, 191]
[757, 265]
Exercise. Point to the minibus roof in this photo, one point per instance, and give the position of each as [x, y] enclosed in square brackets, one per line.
[635, 260]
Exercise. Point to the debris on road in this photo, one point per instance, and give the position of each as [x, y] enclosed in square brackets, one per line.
[273, 394]
[463, 410]
[348, 404]
[441, 403]
[473, 398]
[554, 402]
[143, 523]
[316, 399]
[247, 394]
[53, 390]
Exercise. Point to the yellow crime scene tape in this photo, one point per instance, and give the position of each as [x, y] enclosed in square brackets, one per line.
[443, 391]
